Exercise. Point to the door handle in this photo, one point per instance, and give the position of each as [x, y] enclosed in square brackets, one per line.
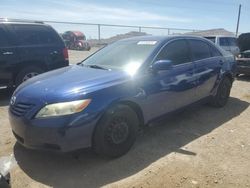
[54, 52]
[221, 62]
[8, 53]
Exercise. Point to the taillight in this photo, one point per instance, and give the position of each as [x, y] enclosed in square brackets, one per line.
[65, 54]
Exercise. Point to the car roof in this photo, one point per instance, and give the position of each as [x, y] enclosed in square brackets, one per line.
[20, 21]
[226, 36]
[162, 38]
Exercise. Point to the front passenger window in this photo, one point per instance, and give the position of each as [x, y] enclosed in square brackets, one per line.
[177, 51]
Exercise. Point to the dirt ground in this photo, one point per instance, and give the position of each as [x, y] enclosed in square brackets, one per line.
[199, 147]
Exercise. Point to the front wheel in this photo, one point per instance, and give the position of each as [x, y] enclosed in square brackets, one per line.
[223, 93]
[116, 132]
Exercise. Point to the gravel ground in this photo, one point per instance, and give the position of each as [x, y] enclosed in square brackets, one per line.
[78, 56]
[199, 147]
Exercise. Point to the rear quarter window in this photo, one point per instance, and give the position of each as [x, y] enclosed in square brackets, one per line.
[35, 35]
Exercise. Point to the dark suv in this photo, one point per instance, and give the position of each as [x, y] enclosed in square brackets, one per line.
[28, 48]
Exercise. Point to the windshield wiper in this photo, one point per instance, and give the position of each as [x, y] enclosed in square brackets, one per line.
[95, 66]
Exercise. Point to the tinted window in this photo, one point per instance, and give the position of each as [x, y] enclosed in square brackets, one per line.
[224, 41]
[34, 34]
[211, 39]
[3, 38]
[200, 50]
[214, 51]
[176, 51]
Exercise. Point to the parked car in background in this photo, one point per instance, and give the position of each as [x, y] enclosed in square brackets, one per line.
[225, 42]
[28, 48]
[75, 40]
[243, 59]
[105, 99]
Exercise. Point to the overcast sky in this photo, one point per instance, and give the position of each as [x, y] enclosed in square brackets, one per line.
[190, 14]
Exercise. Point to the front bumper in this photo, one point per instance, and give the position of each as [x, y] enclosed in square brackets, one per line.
[64, 134]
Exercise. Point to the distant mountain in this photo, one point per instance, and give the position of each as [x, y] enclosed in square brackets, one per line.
[212, 32]
[94, 42]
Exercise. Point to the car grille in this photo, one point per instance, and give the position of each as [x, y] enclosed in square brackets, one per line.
[20, 109]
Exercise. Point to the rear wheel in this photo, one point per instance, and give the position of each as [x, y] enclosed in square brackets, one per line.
[116, 132]
[26, 74]
[223, 93]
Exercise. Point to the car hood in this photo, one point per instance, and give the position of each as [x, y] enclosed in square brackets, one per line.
[69, 83]
[244, 42]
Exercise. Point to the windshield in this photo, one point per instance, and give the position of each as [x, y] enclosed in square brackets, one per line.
[80, 37]
[124, 55]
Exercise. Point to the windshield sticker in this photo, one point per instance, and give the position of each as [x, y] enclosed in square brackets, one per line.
[146, 42]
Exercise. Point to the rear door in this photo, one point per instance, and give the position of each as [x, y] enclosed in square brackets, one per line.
[39, 45]
[8, 58]
[207, 65]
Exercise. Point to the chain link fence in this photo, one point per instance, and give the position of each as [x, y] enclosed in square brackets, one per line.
[101, 32]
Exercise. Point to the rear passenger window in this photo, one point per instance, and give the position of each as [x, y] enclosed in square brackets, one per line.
[176, 51]
[3, 38]
[200, 50]
[34, 34]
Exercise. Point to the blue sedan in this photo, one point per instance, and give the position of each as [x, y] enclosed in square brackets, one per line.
[103, 101]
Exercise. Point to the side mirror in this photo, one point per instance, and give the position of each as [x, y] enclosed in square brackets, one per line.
[162, 65]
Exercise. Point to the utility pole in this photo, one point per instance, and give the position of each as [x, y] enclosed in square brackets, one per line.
[99, 32]
[238, 22]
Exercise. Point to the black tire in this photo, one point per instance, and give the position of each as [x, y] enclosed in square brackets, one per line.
[116, 132]
[223, 93]
[24, 73]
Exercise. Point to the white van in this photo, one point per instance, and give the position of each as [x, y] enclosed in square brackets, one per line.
[227, 43]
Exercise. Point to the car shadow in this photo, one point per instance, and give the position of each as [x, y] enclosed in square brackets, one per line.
[5, 95]
[167, 136]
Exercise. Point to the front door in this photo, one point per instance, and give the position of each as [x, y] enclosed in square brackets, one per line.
[169, 90]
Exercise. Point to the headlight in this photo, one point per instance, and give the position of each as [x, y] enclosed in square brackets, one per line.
[64, 108]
